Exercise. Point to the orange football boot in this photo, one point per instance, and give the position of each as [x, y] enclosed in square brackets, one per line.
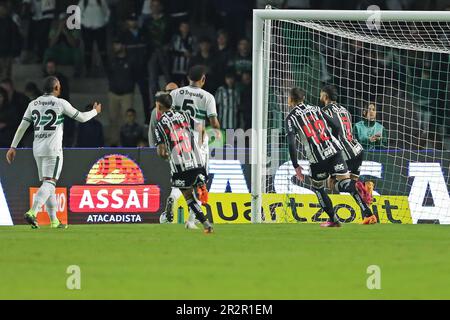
[370, 220]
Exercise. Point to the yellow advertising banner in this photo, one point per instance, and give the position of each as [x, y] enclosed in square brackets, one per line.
[293, 208]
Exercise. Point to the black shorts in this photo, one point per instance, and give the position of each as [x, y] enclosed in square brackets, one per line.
[187, 179]
[354, 164]
[333, 166]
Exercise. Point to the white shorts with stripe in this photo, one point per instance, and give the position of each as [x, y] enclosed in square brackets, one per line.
[49, 167]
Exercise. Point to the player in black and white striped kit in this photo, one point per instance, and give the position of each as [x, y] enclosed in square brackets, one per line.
[176, 142]
[324, 152]
[353, 151]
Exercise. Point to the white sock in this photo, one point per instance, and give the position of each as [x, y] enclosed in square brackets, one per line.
[191, 218]
[51, 206]
[175, 193]
[42, 195]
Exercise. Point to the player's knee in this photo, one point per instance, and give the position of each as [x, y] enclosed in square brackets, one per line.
[200, 180]
[188, 194]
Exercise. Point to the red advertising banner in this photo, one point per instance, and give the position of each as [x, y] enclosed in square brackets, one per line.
[61, 212]
[115, 199]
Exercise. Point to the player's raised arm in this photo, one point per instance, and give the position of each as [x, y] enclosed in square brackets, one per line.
[73, 113]
[24, 124]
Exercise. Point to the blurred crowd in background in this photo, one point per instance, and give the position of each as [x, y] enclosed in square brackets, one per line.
[140, 45]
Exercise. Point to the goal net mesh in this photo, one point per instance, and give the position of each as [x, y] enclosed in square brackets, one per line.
[393, 78]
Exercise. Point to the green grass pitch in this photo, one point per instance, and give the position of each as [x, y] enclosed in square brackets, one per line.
[268, 261]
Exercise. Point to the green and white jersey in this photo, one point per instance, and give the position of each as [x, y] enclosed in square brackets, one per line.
[46, 114]
[200, 104]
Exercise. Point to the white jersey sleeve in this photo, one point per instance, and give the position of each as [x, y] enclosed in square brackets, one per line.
[27, 120]
[174, 95]
[211, 109]
[73, 113]
[27, 116]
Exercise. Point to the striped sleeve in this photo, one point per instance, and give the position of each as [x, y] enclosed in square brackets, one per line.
[27, 116]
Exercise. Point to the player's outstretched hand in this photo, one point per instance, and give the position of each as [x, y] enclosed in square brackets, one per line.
[98, 107]
[10, 155]
[299, 174]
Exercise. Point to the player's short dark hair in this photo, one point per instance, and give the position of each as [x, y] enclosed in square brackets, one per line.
[196, 73]
[297, 94]
[331, 91]
[165, 99]
[49, 84]
[132, 111]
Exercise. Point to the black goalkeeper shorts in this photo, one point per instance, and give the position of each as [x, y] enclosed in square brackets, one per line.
[333, 166]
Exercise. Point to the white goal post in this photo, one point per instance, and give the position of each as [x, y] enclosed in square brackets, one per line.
[319, 23]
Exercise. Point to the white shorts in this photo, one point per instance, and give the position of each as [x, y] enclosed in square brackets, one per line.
[49, 167]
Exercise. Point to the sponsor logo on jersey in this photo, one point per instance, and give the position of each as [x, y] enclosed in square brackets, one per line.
[191, 94]
[44, 103]
[328, 152]
[44, 135]
[176, 116]
[179, 183]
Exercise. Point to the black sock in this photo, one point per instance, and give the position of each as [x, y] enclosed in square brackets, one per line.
[197, 210]
[325, 202]
[169, 208]
[346, 185]
[349, 186]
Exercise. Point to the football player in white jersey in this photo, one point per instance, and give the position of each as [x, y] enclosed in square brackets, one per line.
[201, 105]
[46, 114]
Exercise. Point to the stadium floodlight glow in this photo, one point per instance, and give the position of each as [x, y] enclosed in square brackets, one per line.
[398, 59]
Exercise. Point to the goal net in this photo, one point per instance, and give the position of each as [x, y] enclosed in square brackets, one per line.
[391, 70]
